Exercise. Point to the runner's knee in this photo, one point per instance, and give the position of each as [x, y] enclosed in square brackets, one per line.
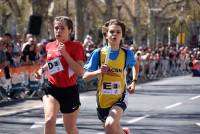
[71, 130]
[111, 125]
[50, 121]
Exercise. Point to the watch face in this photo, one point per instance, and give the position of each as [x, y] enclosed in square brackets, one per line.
[134, 80]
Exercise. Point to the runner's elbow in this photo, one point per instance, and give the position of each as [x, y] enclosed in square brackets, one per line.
[80, 73]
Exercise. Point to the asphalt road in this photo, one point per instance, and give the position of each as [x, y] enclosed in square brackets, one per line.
[167, 106]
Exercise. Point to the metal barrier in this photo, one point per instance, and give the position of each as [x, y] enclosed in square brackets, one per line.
[24, 85]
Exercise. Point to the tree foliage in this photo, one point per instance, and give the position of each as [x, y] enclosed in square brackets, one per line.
[141, 16]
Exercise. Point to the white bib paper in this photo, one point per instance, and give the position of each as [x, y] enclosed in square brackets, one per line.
[55, 66]
[113, 88]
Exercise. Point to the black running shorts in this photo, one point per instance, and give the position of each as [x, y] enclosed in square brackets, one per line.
[68, 98]
[104, 112]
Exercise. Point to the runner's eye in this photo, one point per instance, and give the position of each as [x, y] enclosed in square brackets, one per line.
[112, 32]
[56, 28]
[59, 28]
[62, 28]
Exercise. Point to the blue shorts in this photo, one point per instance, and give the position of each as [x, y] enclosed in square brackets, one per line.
[68, 98]
[104, 112]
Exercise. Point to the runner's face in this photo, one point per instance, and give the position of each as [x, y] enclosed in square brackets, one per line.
[61, 31]
[114, 34]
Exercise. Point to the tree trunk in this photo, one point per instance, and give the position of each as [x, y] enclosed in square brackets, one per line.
[14, 7]
[79, 17]
[136, 22]
[40, 8]
[109, 10]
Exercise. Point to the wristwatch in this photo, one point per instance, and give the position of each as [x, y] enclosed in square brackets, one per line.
[134, 80]
[43, 69]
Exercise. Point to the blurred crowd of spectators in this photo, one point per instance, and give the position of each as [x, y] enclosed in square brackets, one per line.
[19, 51]
[162, 61]
[16, 51]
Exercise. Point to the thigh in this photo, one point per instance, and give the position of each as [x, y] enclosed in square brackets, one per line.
[51, 107]
[70, 119]
[115, 115]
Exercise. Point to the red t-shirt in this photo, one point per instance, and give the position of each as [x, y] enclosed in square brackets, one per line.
[59, 73]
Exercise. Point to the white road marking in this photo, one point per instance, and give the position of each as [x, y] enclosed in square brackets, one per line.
[137, 119]
[19, 110]
[195, 97]
[174, 105]
[58, 121]
[41, 124]
[198, 124]
[37, 125]
[83, 97]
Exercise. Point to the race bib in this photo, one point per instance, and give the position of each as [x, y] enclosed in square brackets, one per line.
[55, 66]
[111, 88]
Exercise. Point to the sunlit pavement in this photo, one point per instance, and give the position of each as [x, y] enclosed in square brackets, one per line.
[167, 106]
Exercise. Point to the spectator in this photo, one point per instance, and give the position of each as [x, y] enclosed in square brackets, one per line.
[10, 55]
[4, 64]
[40, 53]
[195, 66]
[17, 50]
[3, 59]
[88, 45]
[18, 44]
[29, 50]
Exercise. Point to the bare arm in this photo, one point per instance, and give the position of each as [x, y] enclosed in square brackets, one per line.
[76, 66]
[135, 71]
[90, 75]
[40, 71]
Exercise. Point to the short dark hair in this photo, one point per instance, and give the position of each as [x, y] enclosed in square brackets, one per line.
[113, 22]
[8, 34]
[190, 64]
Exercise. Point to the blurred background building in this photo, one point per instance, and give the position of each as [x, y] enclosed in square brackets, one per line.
[149, 22]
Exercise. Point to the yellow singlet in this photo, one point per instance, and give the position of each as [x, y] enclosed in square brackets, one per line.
[111, 86]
